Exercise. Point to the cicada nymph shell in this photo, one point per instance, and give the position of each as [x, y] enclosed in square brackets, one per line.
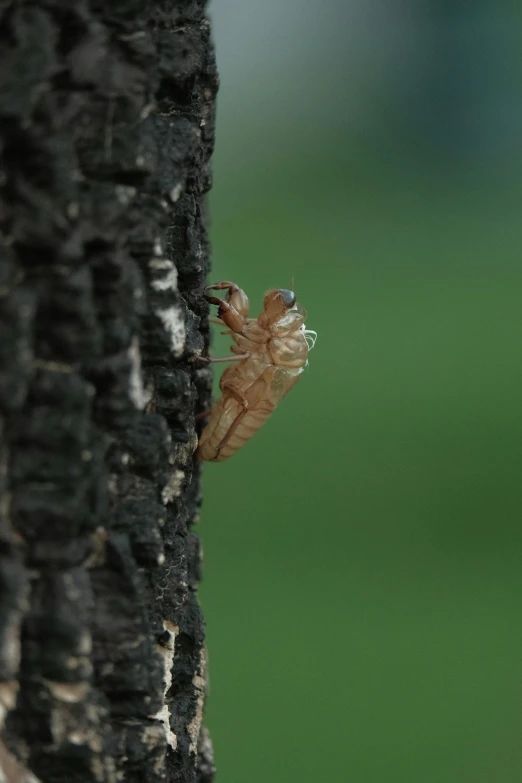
[270, 353]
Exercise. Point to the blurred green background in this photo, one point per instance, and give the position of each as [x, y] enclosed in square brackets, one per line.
[362, 585]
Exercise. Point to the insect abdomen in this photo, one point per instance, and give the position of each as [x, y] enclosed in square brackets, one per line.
[248, 426]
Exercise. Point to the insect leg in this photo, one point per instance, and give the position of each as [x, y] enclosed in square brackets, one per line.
[212, 360]
[235, 296]
[229, 358]
[204, 414]
[224, 285]
[232, 392]
[228, 314]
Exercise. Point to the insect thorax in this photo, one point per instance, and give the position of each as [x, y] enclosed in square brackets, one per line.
[290, 350]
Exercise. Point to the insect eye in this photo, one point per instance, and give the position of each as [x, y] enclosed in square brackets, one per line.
[288, 297]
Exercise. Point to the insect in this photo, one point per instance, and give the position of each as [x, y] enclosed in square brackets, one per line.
[271, 352]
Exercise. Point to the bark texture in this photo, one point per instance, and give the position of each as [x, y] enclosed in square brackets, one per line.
[106, 130]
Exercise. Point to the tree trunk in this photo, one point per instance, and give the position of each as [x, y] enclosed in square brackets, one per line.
[107, 123]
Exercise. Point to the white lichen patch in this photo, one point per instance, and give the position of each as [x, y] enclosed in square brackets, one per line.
[63, 725]
[167, 653]
[70, 692]
[82, 660]
[172, 488]
[65, 729]
[176, 192]
[152, 738]
[174, 324]
[99, 548]
[148, 393]
[160, 264]
[169, 281]
[85, 643]
[62, 367]
[78, 737]
[125, 193]
[200, 686]
[182, 452]
[8, 692]
[136, 391]
[147, 109]
[11, 648]
[12, 770]
[65, 715]
[104, 770]
[205, 749]
[72, 210]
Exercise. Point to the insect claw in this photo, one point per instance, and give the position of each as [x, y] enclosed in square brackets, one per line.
[225, 285]
[235, 296]
[217, 301]
[227, 313]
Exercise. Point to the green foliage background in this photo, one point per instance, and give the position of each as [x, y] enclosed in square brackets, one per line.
[362, 582]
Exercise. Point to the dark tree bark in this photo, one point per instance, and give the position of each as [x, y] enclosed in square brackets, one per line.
[107, 123]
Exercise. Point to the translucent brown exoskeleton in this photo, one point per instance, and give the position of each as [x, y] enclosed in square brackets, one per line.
[271, 352]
